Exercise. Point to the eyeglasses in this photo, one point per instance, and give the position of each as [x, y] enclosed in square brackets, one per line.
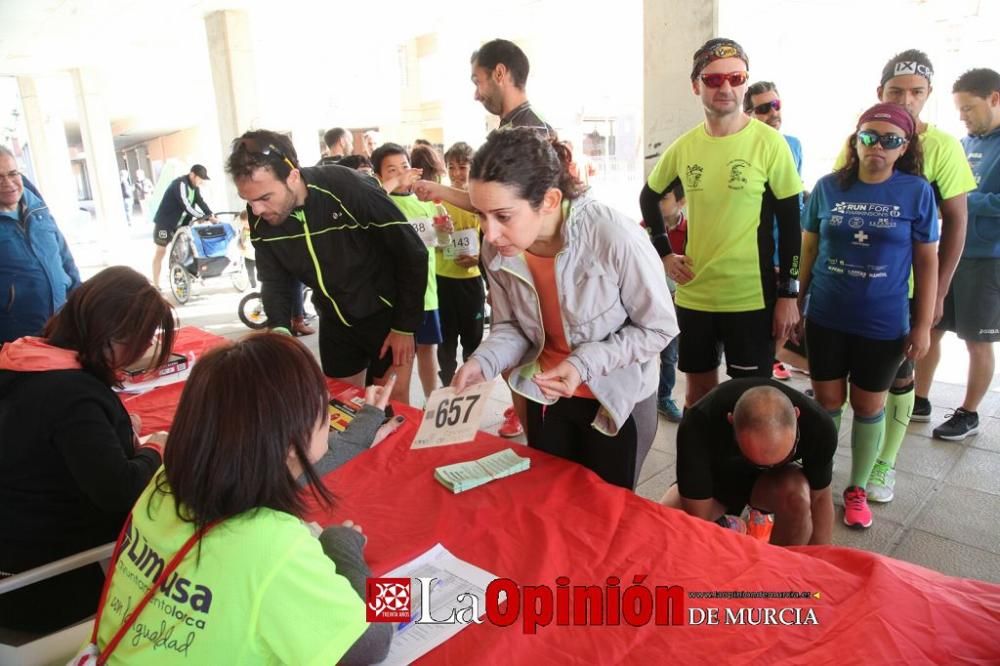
[735, 79]
[766, 107]
[251, 146]
[888, 141]
[12, 176]
[789, 458]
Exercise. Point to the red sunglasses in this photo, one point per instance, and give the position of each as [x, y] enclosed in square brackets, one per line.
[735, 79]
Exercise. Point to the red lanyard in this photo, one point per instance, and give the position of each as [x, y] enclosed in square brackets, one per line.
[103, 655]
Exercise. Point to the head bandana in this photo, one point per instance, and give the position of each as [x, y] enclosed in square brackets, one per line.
[890, 113]
[716, 49]
[905, 67]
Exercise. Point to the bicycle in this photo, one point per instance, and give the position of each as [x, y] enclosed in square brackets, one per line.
[251, 309]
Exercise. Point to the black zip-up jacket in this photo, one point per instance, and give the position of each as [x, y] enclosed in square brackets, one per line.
[351, 245]
[68, 477]
[180, 204]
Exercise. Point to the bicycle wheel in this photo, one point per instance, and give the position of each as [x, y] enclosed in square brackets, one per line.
[307, 303]
[180, 284]
[251, 311]
[241, 280]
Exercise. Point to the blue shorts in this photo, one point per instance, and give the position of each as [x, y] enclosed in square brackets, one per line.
[429, 332]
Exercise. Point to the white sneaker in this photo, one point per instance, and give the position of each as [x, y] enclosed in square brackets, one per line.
[881, 483]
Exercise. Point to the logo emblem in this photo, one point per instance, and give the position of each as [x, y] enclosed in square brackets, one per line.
[856, 223]
[387, 599]
[736, 178]
[861, 237]
[912, 67]
[725, 51]
[694, 173]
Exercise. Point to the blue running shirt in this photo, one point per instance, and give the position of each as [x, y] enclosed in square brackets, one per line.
[866, 236]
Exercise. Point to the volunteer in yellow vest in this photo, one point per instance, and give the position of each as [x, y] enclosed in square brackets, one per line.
[739, 179]
[256, 586]
[461, 292]
[906, 80]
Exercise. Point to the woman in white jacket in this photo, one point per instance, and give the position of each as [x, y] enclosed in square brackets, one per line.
[580, 307]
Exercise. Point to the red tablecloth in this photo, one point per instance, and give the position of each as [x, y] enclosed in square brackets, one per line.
[559, 519]
[158, 406]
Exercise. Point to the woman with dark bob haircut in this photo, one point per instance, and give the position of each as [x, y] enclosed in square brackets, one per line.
[70, 464]
[256, 586]
[581, 309]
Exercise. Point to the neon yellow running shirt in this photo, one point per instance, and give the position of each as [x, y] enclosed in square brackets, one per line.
[724, 181]
[258, 590]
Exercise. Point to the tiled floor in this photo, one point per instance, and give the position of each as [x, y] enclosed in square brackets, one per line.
[947, 493]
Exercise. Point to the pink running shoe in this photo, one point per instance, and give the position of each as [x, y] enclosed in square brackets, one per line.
[511, 426]
[779, 371]
[856, 511]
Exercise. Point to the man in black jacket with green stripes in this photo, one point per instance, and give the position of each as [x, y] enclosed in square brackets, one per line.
[339, 233]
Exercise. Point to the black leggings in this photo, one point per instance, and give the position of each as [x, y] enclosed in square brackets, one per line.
[461, 304]
[564, 430]
[867, 363]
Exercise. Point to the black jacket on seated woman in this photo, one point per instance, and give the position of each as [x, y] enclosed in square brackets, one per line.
[70, 464]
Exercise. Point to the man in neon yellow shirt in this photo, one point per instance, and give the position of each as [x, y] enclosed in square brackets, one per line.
[739, 180]
[906, 80]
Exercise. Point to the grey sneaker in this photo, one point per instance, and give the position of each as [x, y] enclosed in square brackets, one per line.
[921, 410]
[881, 483]
[959, 425]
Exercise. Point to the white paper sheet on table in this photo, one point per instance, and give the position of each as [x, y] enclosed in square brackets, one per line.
[454, 577]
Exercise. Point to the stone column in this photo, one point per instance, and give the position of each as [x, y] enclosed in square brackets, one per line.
[102, 159]
[49, 151]
[672, 31]
[234, 79]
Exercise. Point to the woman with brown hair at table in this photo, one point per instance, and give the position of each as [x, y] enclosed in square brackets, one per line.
[70, 464]
[256, 586]
[580, 307]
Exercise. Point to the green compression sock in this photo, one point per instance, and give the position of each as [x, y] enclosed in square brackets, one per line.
[866, 439]
[898, 409]
[835, 414]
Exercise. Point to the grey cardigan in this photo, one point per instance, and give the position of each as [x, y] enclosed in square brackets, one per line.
[616, 309]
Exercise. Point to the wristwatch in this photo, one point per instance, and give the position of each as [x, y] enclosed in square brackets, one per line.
[788, 288]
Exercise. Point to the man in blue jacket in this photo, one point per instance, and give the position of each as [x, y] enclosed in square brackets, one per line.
[972, 306]
[37, 270]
